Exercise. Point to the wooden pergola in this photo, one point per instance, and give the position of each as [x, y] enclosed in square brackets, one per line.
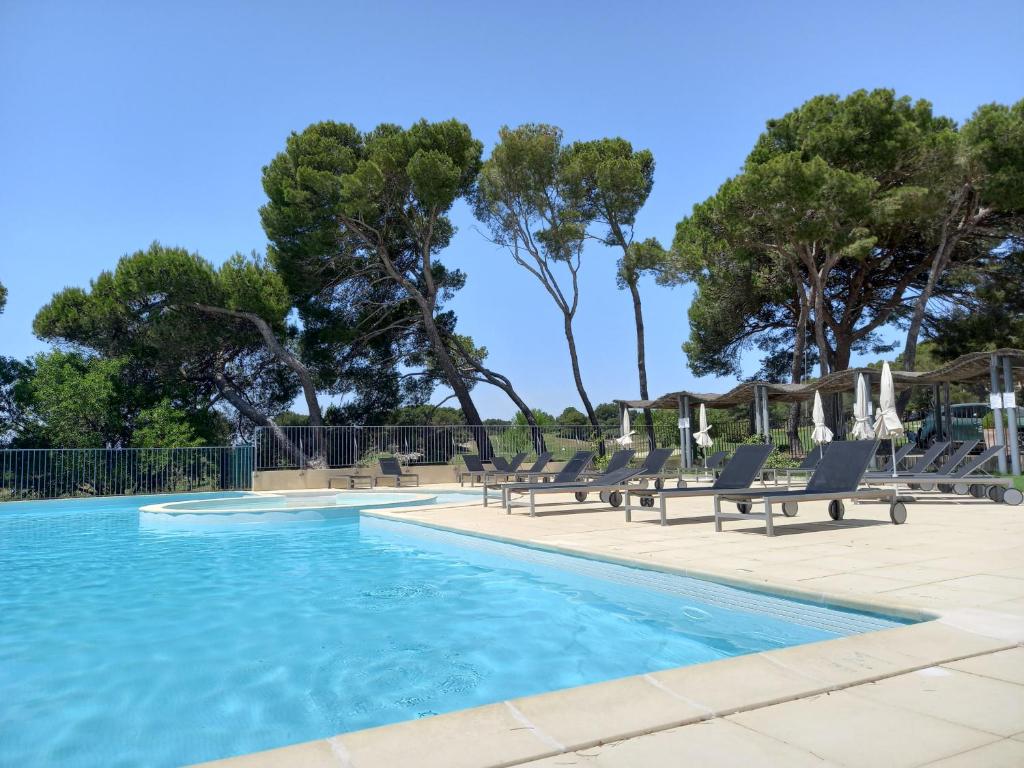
[1000, 368]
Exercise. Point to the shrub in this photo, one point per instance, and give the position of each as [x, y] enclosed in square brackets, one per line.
[779, 458]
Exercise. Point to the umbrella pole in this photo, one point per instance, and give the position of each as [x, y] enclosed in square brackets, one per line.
[892, 444]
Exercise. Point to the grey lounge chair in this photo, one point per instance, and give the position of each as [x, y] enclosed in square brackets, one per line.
[739, 473]
[550, 475]
[924, 461]
[713, 465]
[538, 465]
[965, 449]
[837, 477]
[570, 473]
[901, 454]
[961, 481]
[609, 484]
[501, 464]
[390, 469]
[619, 460]
[475, 470]
[805, 467]
[537, 470]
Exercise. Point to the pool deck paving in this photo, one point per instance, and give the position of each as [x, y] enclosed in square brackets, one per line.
[946, 692]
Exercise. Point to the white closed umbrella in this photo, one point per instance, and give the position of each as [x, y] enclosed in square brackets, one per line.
[862, 429]
[887, 421]
[701, 436]
[821, 434]
[626, 439]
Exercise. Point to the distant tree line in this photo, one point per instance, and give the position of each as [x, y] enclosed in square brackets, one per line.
[849, 215]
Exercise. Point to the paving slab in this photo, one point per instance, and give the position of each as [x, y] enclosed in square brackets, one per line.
[1007, 753]
[1003, 665]
[711, 744]
[855, 732]
[978, 702]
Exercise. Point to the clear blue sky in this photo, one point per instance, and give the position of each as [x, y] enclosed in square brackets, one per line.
[121, 123]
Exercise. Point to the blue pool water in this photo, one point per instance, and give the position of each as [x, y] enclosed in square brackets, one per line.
[128, 644]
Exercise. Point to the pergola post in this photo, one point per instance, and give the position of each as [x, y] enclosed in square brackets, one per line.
[1010, 406]
[996, 401]
[757, 410]
[947, 404]
[765, 419]
[685, 449]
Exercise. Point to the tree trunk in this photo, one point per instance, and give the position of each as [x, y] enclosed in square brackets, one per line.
[280, 352]
[503, 383]
[578, 378]
[456, 381]
[939, 263]
[246, 408]
[641, 360]
[797, 369]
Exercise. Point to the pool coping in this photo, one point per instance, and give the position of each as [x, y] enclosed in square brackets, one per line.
[534, 727]
[169, 507]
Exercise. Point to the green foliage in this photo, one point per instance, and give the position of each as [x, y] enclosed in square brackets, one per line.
[607, 413]
[3, 297]
[523, 195]
[843, 197]
[82, 401]
[164, 426]
[152, 313]
[70, 400]
[572, 417]
[15, 400]
[356, 222]
[992, 318]
[779, 458]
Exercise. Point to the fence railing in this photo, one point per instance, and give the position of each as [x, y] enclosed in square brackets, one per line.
[54, 473]
[48, 473]
[336, 447]
[331, 447]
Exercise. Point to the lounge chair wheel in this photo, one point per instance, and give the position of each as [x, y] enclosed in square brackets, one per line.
[744, 507]
[615, 499]
[1013, 497]
[978, 491]
[898, 513]
[603, 496]
[836, 509]
[644, 484]
[914, 486]
[995, 493]
[961, 489]
[925, 487]
[945, 488]
[680, 483]
[659, 484]
[581, 496]
[789, 508]
[646, 501]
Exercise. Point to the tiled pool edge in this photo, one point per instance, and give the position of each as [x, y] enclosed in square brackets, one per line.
[511, 732]
[531, 728]
[893, 608]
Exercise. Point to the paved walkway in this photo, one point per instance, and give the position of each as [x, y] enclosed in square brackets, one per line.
[948, 692]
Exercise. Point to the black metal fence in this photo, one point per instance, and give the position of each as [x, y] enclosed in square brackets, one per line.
[48, 473]
[335, 447]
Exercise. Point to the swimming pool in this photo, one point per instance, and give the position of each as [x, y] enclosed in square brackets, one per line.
[123, 643]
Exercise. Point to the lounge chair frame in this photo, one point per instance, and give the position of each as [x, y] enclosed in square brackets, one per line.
[609, 485]
[843, 458]
[390, 469]
[751, 459]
